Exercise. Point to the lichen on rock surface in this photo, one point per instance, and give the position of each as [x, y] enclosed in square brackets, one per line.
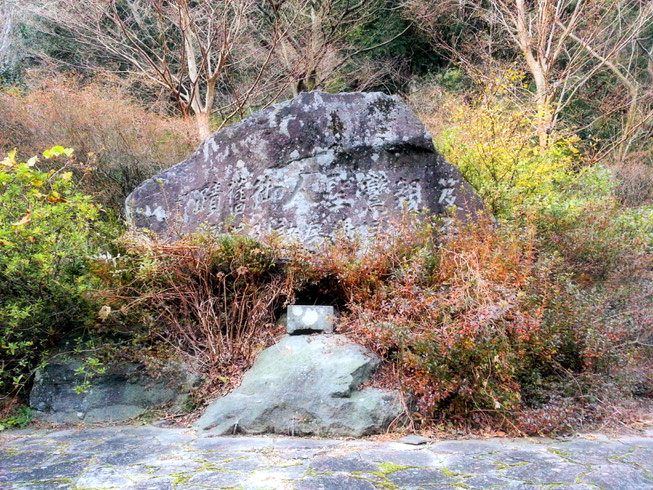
[309, 168]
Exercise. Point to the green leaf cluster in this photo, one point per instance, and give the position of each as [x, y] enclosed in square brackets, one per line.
[48, 232]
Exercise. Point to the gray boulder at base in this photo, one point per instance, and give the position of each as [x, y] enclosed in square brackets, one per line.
[308, 168]
[306, 385]
[124, 391]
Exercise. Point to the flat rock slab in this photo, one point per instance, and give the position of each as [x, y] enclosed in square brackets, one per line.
[309, 168]
[414, 440]
[156, 458]
[306, 385]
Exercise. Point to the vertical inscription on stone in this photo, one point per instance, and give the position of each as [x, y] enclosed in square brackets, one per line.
[266, 189]
[237, 195]
[409, 194]
[374, 185]
[213, 196]
[337, 183]
[207, 199]
[447, 195]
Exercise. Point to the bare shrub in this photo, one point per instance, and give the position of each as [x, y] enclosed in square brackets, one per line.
[634, 183]
[118, 143]
[212, 299]
[486, 324]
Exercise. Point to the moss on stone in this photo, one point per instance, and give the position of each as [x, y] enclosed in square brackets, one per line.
[388, 468]
[505, 466]
[180, 478]
[452, 474]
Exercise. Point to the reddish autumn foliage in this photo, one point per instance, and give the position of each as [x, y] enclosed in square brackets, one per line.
[478, 323]
[481, 323]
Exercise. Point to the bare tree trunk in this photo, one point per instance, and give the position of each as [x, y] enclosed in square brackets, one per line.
[202, 121]
[538, 68]
[542, 105]
[630, 123]
[185, 47]
[7, 12]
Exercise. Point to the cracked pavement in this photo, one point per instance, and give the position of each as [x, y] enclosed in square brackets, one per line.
[148, 457]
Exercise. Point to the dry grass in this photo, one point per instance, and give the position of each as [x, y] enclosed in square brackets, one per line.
[117, 142]
[214, 302]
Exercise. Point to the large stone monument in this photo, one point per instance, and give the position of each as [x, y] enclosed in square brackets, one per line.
[309, 168]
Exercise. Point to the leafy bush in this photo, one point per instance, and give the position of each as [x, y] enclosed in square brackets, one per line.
[584, 222]
[493, 145]
[19, 418]
[118, 143]
[491, 137]
[48, 231]
[591, 267]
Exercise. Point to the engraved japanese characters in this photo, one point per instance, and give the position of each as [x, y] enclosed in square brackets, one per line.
[309, 168]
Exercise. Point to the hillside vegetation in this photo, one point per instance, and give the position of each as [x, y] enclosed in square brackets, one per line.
[536, 317]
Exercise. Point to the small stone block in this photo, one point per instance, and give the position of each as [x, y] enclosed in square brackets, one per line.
[303, 319]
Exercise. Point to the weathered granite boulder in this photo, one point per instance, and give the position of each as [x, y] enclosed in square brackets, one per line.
[308, 168]
[306, 385]
[123, 391]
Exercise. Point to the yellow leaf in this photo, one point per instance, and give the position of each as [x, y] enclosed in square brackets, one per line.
[24, 220]
[66, 175]
[57, 151]
[10, 161]
[54, 197]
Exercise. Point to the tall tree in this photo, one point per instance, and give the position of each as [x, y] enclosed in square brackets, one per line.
[193, 49]
[7, 25]
[315, 37]
[563, 44]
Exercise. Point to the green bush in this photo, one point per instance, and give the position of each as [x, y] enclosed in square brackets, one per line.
[19, 418]
[48, 231]
[492, 143]
[583, 221]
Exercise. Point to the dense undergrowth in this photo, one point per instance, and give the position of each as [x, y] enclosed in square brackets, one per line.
[117, 142]
[481, 323]
[533, 317]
